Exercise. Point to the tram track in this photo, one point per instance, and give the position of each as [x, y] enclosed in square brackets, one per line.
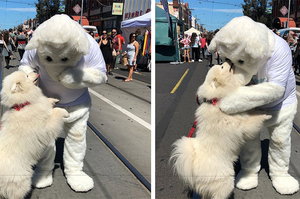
[130, 93]
[119, 155]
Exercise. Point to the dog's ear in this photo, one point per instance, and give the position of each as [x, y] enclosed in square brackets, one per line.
[16, 87]
[215, 84]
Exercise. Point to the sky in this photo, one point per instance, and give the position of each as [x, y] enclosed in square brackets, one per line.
[14, 12]
[214, 14]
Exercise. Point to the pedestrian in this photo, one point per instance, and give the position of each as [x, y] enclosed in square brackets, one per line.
[21, 42]
[297, 58]
[186, 48]
[195, 47]
[92, 34]
[140, 40]
[97, 38]
[1, 42]
[106, 48]
[13, 39]
[29, 33]
[203, 44]
[207, 53]
[133, 49]
[116, 49]
[7, 50]
[122, 42]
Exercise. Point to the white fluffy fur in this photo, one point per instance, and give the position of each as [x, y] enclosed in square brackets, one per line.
[82, 78]
[47, 34]
[24, 134]
[205, 162]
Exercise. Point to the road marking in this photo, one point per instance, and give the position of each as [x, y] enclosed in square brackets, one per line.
[134, 117]
[298, 93]
[179, 82]
[138, 73]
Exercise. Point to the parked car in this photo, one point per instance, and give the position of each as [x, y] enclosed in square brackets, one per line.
[91, 28]
[285, 31]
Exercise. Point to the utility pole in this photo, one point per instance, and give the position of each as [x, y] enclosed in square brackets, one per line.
[81, 12]
[288, 19]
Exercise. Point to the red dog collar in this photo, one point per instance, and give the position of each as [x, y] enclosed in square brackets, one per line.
[213, 101]
[18, 107]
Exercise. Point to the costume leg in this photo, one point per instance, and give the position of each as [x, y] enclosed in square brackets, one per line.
[75, 148]
[280, 151]
[42, 176]
[250, 157]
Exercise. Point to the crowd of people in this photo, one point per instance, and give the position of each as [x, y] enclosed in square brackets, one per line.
[14, 41]
[110, 45]
[293, 41]
[197, 45]
[112, 50]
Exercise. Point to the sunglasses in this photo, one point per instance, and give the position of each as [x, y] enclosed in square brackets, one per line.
[104, 33]
[114, 32]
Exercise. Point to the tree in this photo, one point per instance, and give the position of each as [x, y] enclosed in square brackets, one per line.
[256, 10]
[46, 9]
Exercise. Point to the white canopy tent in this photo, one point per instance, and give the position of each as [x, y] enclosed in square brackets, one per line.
[192, 30]
[129, 26]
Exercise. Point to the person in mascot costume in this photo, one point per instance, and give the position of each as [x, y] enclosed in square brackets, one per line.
[258, 54]
[68, 61]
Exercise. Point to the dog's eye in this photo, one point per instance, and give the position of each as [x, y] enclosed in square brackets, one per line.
[222, 67]
[241, 61]
[49, 59]
[64, 59]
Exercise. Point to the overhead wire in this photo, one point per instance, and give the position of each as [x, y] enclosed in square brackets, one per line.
[18, 21]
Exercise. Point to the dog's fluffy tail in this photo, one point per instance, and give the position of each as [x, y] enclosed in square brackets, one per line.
[182, 159]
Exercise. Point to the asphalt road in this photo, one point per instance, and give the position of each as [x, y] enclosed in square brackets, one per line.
[174, 118]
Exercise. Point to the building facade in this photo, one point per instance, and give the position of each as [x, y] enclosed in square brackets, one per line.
[294, 10]
[108, 14]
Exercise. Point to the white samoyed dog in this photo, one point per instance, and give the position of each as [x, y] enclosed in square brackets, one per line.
[206, 163]
[27, 127]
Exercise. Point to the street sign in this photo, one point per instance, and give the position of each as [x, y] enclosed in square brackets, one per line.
[283, 10]
[77, 9]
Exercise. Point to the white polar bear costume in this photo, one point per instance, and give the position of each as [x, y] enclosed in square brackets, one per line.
[257, 52]
[68, 61]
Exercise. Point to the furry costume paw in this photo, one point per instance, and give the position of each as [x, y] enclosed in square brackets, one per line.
[285, 184]
[75, 78]
[80, 181]
[246, 180]
[42, 179]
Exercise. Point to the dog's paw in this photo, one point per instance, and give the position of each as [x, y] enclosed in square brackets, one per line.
[53, 101]
[60, 111]
[266, 117]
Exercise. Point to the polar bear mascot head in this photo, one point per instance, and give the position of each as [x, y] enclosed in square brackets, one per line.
[58, 50]
[246, 43]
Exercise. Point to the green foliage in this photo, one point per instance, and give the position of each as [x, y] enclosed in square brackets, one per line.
[46, 9]
[256, 10]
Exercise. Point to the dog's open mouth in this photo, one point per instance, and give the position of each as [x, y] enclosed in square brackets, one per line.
[35, 81]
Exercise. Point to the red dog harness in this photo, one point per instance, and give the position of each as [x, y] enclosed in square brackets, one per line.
[213, 101]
